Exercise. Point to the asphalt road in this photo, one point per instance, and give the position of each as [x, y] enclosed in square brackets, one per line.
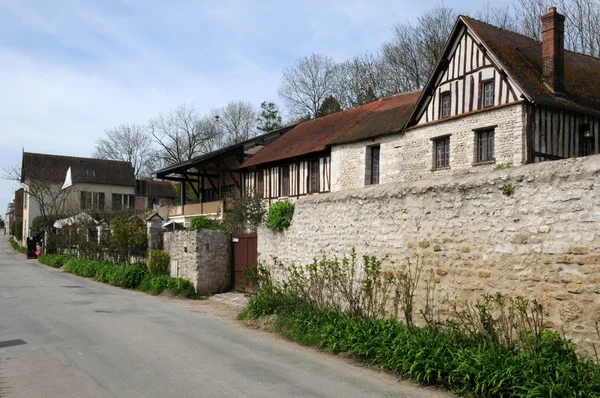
[65, 336]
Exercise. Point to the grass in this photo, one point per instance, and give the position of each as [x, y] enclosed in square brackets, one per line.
[54, 260]
[444, 357]
[132, 276]
[16, 246]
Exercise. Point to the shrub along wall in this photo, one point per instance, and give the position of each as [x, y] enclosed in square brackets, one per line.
[540, 238]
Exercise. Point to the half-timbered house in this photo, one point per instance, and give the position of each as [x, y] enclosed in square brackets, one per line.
[212, 178]
[300, 163]
[494, 97]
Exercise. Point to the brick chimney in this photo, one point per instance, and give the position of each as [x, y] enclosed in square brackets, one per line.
[553, 50]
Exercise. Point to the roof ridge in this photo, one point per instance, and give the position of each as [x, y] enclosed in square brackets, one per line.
[77, 157]
[500, 28]
[583, 55]
[523, 35]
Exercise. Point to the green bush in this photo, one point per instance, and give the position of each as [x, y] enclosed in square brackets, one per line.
[280, 215]
[13, 243]
[437, 356]
[245, 213]
[54, 260]
[129, 239]
[204, 222]
[16, 227]
[158, 264]
[127, 276]
[16, 246]
[155, 285]
[132, 276]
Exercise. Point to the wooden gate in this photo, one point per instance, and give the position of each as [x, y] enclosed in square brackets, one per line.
[245, 255]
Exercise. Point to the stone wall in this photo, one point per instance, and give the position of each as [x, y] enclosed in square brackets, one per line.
[409, 156]
[542, 242]
[203, 257]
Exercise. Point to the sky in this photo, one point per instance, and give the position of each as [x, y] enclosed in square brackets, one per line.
[70, 70]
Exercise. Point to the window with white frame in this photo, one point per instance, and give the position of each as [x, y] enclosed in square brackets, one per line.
[122, 201]
[446, 107]
[441, 151]
[92, 201]
[485, 146]
[488, 94]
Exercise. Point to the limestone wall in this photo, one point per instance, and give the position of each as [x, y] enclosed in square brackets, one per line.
[409, 156]
[203, 257]
[542, 242]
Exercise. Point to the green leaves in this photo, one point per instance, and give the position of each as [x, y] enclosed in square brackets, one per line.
[437, 356]
[130, 276]
[204, 222]
[158, 263]
[280, 215]
[55, 260]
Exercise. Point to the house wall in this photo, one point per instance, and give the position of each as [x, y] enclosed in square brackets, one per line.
[299, 177]
[469, 67]
[542, 242]
[409, 156]
[72, 205]
[556, 133]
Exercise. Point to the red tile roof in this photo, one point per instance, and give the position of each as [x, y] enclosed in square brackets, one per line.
[376, 118]
[390, 117]
[522, 58]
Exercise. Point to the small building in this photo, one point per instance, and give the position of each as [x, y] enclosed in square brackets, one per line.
[67, 185]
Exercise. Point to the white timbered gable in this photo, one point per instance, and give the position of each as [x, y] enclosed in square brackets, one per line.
[467, 79]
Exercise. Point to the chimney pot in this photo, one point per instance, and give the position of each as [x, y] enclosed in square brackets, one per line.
[553, 52]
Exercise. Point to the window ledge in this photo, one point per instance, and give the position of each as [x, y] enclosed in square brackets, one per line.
[487, 162]
[440, 168]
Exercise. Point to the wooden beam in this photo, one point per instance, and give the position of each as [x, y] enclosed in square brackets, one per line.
[237, 184]
[211, 181]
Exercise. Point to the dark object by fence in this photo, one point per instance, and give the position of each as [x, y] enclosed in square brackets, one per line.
[31, 248]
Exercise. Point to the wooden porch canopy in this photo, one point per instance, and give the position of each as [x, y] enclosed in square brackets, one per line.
[216, 170]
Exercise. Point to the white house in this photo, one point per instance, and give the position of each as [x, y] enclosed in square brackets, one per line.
[66, 185]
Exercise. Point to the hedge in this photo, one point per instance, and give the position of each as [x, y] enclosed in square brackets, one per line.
[132, 276]
[55, 260]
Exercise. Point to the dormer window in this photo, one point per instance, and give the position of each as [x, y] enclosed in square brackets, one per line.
[446, 105]
[90, 172]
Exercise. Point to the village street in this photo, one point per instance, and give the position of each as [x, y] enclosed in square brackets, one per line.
[65, 336]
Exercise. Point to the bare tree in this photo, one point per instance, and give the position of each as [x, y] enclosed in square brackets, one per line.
[130, 143]
[304, 86]
[582, 21]
[44, 186]
[238, 121]
[360, 80]
[415, 49]
[179, 135]
[502, 15]
[582, 25]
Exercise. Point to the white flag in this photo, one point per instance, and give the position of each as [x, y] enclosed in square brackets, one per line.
[68, 179]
